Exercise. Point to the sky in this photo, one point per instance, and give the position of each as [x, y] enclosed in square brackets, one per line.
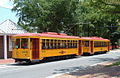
[5, 11]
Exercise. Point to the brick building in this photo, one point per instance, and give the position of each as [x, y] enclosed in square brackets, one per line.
[7, 29]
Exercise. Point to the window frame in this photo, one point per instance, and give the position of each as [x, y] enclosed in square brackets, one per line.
[19, 46]
[59, 43]
[25, 46]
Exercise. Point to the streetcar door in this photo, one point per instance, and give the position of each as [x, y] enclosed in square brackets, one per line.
[35, 48]
[92, 47]
[80, 47]
[109, 46]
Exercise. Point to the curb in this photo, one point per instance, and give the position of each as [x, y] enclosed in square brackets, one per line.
[56, 75]
[7, 61]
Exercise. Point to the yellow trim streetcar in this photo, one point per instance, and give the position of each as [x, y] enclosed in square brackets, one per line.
[30, 47]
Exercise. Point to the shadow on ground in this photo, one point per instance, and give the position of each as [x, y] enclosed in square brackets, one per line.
[88, 69]
[71, 69]
[97, 53]
[113, 71]
[46, 60]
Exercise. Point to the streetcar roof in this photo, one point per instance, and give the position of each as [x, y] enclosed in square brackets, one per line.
[58, 35]
[47, 35]
[86, 38]
[94, 38]
[99, 38]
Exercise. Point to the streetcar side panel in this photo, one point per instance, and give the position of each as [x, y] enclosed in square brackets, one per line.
[100, 46]
[86, 46]
[51, 47]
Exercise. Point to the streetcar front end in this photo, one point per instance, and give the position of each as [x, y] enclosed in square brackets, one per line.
[21, 49]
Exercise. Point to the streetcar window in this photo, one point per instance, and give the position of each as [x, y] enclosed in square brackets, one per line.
[58, 43]
[17, 44]
[95, 44]
[72, 44]
[98, 44]
[69, 43]
[64, 44]
[86, 43]
[55, 43]
[43, 44]
[47, 44]
[102, 44]
[50, 44]
[75, 44]
[24, 43]
[105, 44]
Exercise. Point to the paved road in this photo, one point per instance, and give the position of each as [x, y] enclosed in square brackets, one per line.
[55, 67]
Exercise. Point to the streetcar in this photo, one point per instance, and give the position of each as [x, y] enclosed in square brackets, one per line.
[93, 45]
[100, 44]
[30, 47]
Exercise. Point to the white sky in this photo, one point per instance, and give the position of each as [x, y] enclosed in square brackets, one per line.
[6, 3]
[5, 11]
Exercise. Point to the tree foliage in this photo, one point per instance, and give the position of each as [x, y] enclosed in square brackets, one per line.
[115, 36]
[74, 17]
[100, 17]
[46, 15]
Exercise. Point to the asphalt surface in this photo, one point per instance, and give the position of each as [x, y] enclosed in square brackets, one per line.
[43, 70]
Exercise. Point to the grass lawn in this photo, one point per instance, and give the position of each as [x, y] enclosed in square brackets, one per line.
[115, 64]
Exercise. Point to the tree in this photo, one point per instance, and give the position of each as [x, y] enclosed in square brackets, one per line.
[74, 17]
[98, 14]
[115, 36]
[46, 15]
[115, 2]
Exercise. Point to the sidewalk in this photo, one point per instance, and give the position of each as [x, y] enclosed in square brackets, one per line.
[7, 61]
[98, 71]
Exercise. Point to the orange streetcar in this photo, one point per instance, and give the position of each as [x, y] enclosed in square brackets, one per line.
[92, 45]
[37, 46]
[100, 44]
